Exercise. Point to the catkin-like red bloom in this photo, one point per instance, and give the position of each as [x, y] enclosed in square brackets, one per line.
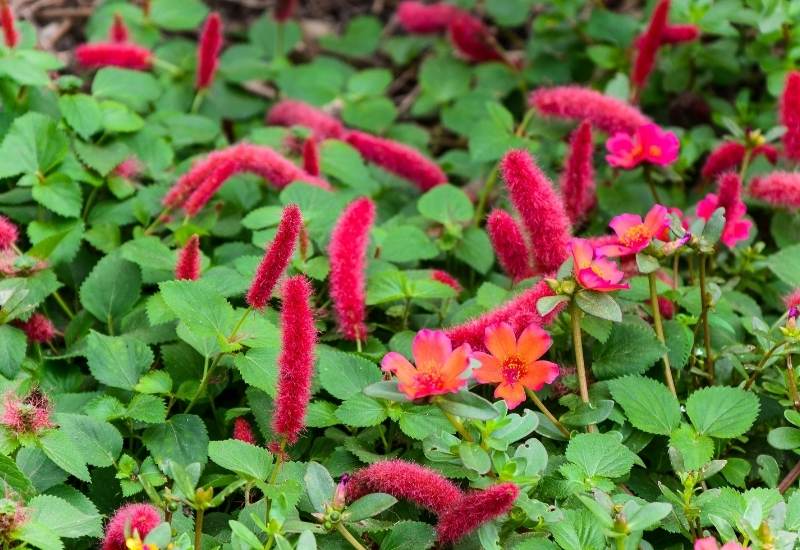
[606, 113]
[518, 312]
[472, 40]
[540, 208]
[780, 189]
[188, 265]
[135, 518]
[111, 54]
[446, 279]
[792, 300]
[38, 328]
[790, 115]
[577, 181]
[311, 156]
[28, 415]
[419, 18]
[296, 360]
[290, 112]
[730, 154]
[118, 32]
[509, 245]
[474, 509]
[648, 45]
[9, 25]
[399, 159]
[276, 258]
[243, 431]
[208, 49]
[678, 34]
[209, 187]
[284, 9]
[8, 233]
[423, 486]
[348, 254]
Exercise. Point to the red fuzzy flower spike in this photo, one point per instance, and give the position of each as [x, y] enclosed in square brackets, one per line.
[243, 431]
[311, 156]
[472, 40]
[111, 54]
[729, 155]
[284, 9]
[648, 44]
[475, 509]
[729, 197]
[188, 266]
[792, 300]
[348, 252]
[399, 159]
[276, 258]
[208, 51]
[790, 115]
[423, 486]
[446, 279]
[226, 169]
[606, 113]
[290, 112]
[9, 25]
[118, 32]
[509, 245]
[518, 312]
[540, 208]
[419, 18]
[132, 519]
[8, 233]
[780, 189]
[296, 360]
[38, 328]
[29, 415]
[679, 34]
[577, 181]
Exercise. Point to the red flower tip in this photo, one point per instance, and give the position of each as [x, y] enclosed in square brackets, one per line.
[648, 45]
[577, 181]
[188, 265]
[728, 196]
[243, 431]
[446, 279]
[792, 300]
[311, 156]
[540, 208]
[348, 254]
[296, 359]
[8, 233]
[678, 34]
[118, 32]
[129, 520]
[606, 113]
[290, 112]
[472, 40]
[29, 415]
[399, 159]
[130, 168]
[284, 9]
[419, 18]
[38, 328]
[276, 258]
[781, 189]
[9, 25]
[790, 115]
[729, 155]
[423, 486]
[509, 245]
[208, 51]
[111, 54]
[475, 509]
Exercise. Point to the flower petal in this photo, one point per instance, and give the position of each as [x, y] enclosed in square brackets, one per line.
[582, 253]
[539, 374]
[500, 340]
[620, 224]
[456, 363]
[431, 347]
[513, 394]
[656, 220]
[393, 361]
[490, 369]
[533, 343]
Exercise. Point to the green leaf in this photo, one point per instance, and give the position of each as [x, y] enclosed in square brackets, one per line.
[117, 361]
[784, 438]
[13, 477]
[647, 403]
[198, 305]
[632, 348]
[679, 340]
[101, 442]
[695, 449]
[39, 536]
[409, 535]
[446, 204]
[340, 161]
[723, 412]
[319, 485]
[178, 15]
[59, 194]
[360, 39]
[649, 515]
[24, 72]
[134, 88]
[240, 457]
[344, 375]
[155, 382]
[368, 506]
[467, 405]
[82, 112]
[33, 145]
[600, 455]
[65, 450]
[785, 264]
[182, 439]
[385, 389]
[111, 289]
[12, 352]
[64, 518]
[101, 159]
[147, 408]
[405, 244]
[149, 252]
[475, 250]
[444, 78]
[600, 305]
[361, 411]
[474, 457]
[259, 368]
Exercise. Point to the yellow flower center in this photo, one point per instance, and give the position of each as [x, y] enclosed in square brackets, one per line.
[655, 151]
[514, 368]
[634, 235]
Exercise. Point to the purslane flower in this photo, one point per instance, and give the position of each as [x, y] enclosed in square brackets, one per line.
[348, 253]
[648, 144]
[635, 234]
[113, 54]
[243, 431]
[418, 18]
[475, 509]
[710, 543]
[128, 521]
[208, 49]
[513, 363]
[188, 265]
[472, 40]
[648, 45]
[439, 368]
[509, 245]
[118, 32]
[594, 272]
[28, 415]
[38, 328]
[9, 25]
[291, 112]
[781, 189]
[790, 115]
[577, 181]
[8, 233]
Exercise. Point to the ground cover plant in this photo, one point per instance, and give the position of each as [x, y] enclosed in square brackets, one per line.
[483, 274]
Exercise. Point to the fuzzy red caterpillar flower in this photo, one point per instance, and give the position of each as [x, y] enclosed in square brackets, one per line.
[780, 189]
[9, 25]
[398, 158]
[290, 112]
[474, 509]
[648, 45]
[28, 415]
[113, 54]
[472, 40]
[605, 113]
[296, 360]
[38, 328]
[446, 279]
[509, 245]
[540, 208]
[729, 197]
[208, 51]
[188, 265]
[118, 32]
[311, 156]
[790, 115]
[284, 9]
[577, 181]
[130, 520]
[8, 233]
[276, 258]
[348, 251]
[729, 155]
[418, 18]
[243, 431]
[675, 34]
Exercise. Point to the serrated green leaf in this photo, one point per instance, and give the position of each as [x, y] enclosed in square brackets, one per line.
[241, 457]
[361, 411]
[65, 451]
[101, 442]
[600, 455]
[723, 412]
[695, 449]
[111, 289]
[630, 349]
[345, 375]
[648, 404]
[117, 361]
[182, 439]
[63, 518]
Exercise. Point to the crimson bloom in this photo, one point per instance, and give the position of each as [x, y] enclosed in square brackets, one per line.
[243, 431]
[8, 25]
[514, 364]
[635, 234]
[475, 509]
[780, 189]
[8, 233]
[284, 9]
[594, 272]
[730, 154]
[577, 181]
[130, 520]
[729, 197]
[648, 144]
[509, 245]
[188, 265]
[446, 279]
[311, 156]
[208, 50]
[416, 17]
[291, 112]
[114, 54]
[439, 368]
[118, 32]
[38, 328]
[648, 45]
[28, 415]
[472, 40]
[790, 115]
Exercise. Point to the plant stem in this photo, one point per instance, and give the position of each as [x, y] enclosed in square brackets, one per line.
[150, 228]
[760, 365]
[349, 537]
[790, 478]
[458, 425]
[545, 411]
[60, 301]
[792, 382]
[198, 529]
[577, 343]
[704, 314]
[650, 183]
[198, 100]
[660, 331]
[620, 543]
[748, 155]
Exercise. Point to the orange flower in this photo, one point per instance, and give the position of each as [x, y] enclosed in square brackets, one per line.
[513, 364]
[439, 366]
